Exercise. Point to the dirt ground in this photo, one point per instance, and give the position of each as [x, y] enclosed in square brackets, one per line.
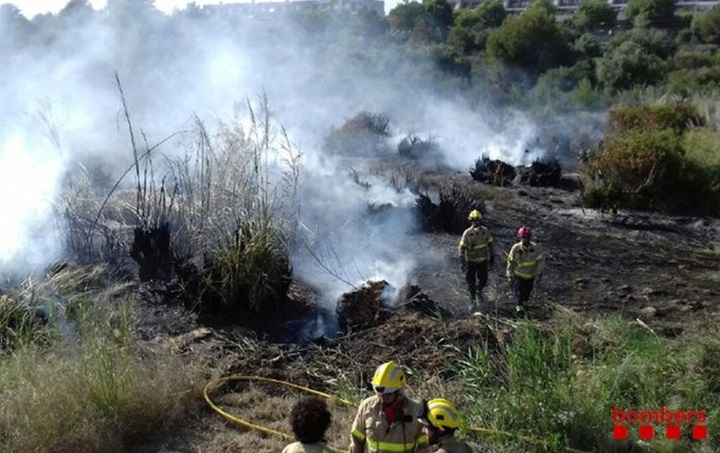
[665, 271]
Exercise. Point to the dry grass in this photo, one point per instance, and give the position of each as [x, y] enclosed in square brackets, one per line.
[269, 405]
[97, 389]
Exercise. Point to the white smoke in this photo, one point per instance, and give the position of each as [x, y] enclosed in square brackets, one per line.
[29, 172]
[175, 67]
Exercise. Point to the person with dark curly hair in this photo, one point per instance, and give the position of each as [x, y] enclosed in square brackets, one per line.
[309, 419]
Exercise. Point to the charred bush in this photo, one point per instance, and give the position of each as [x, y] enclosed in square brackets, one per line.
[414, 147]
[495, 172]
[374, 303]
[541, 173]
[151, 249]
[362, 309]
[355, 177]
[450, 215]
[374, 209]
[365, 134]
[413, 298]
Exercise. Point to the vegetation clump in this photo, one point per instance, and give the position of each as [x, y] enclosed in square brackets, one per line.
[365, 134]
[643, 164]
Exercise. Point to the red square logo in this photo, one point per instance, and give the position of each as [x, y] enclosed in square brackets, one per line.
[647, 431]
[619, 432]
[672, 432]
[699, 432]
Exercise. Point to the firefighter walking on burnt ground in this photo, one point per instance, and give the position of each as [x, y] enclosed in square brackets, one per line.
[525, 264]
[476, 258]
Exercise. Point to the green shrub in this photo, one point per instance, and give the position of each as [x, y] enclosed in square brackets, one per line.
[647, 170]
[20, 325]
[251, 276]
[675, 117]
[550, 386]
[687, 81]
[703, 150]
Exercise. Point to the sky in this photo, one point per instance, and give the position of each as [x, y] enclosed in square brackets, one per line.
[32, 7]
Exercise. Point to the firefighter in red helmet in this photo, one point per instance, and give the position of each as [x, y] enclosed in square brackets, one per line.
[525, 264]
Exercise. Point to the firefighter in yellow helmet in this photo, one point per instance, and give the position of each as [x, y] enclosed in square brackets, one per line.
[476, 257]
[388, 421]
[525, 264]
[441, 420]
[309, 419]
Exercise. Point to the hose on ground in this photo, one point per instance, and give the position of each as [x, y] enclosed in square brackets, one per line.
[270, 431]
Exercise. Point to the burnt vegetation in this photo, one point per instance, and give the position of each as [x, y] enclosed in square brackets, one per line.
[365, 134]
[206, 237]
[449, 213]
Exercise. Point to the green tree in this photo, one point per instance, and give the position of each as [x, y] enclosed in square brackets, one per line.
[531, 41]
[585, 96]
[594, 14]
[707, 26]
[655, 41]
[472, 27]
[442, 14]
[412, 21]
[629, 65]
[488, 15]
[588, 46]
[651, 13]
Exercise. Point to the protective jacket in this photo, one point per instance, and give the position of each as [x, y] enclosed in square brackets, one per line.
[371, 432]
[525, 262]
[449, 444]
[475, 244]
[298, 447]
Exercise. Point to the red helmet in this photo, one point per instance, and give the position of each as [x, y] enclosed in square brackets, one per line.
[524, 232]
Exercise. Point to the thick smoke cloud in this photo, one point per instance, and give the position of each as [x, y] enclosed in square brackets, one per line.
[206, 63]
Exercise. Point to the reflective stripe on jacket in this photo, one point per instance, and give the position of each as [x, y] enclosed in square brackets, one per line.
[449, 444]
[371, 432]
[298, 447]
[475, 244]
[525, 262]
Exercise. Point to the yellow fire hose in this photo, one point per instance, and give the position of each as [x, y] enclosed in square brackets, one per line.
[263, 429]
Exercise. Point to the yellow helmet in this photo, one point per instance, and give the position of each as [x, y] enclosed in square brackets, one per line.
[442, 414]
[388, 378]
[475, 215]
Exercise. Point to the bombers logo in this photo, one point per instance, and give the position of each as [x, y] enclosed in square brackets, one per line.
[671, 419]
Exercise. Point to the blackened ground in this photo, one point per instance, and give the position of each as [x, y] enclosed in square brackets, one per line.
[663, 270]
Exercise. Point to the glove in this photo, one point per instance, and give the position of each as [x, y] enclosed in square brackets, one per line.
[463, 265]
[491, 262]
